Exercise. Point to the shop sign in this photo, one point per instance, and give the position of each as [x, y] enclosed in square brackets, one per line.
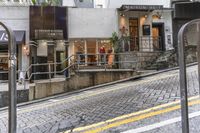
[146, 30]
[49, 34]
[142, 7]
[3, 37]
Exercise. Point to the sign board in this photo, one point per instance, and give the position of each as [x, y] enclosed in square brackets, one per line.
[19, 35]
[48, 22]
[49, 34]
[146, 30]
[141, 7]
[3, 36]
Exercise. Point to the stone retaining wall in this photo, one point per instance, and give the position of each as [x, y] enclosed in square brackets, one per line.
[22, 96]
[79, 81]
[142, 59]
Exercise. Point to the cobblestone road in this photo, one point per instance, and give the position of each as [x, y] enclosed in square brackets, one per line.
[92, 106]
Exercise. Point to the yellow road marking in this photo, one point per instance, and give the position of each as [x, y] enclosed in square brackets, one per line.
[140, 117]
[131, 115]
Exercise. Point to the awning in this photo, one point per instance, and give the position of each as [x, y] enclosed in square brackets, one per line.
[141, 7]
[19, 35]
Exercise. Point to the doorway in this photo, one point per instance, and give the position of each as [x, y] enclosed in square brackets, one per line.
[60, 57]
[158, 36]
[134, 34]
[91, 51]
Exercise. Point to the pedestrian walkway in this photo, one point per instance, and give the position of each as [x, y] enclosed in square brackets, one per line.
[4, 86]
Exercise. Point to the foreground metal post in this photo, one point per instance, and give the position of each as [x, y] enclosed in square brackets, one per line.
[198, 53]
[12, 79]
[183, 78]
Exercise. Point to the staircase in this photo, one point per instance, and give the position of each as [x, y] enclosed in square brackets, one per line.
[165, 60]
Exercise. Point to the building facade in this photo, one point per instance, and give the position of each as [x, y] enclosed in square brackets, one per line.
[17, 18]
[79, 3]
[48, 37]
[89, 30]
[148, 26]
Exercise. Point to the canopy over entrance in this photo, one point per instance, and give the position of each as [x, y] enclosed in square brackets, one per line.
[19, 35]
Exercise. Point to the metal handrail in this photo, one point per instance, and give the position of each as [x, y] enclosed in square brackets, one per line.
[99, 60]
[77, 62]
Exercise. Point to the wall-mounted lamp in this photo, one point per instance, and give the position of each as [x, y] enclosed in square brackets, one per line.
[145, 16]
[158, 15]
[122, 15]
[26, 50]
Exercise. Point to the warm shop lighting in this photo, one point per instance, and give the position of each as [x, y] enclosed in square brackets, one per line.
[26, 50]
[122, 15]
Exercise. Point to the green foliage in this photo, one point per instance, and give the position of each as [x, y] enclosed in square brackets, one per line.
[54, 2]
[114, 40]
[117, 41]
[34, 2]
[49, 2]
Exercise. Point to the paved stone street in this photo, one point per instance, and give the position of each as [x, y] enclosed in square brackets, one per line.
[92, 106]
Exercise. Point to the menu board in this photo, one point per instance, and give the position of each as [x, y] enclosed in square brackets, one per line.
[146, 30]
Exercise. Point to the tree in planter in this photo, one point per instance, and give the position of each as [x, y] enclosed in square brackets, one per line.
[118, 44]
[115, 42]
[34, 2]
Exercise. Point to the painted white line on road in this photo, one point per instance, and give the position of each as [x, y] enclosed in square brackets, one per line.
[160, 124]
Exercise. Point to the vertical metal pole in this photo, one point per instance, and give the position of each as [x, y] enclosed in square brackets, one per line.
[50, 71]
[183, 82]
[12, 84]
[12, 121]
[55, 62]
[104, 60]
[79, 60]
[198, 52]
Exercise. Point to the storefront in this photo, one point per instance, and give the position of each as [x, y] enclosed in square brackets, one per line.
[20, 41]
[89, 49]
[149, 27]
[49, 38]
[90, 29]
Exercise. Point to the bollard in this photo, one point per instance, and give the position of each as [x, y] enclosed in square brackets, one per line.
[12, 121]
[183, 78]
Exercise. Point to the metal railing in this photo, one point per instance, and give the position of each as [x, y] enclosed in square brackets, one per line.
[142, 43]
[74, 63]
[77, 62]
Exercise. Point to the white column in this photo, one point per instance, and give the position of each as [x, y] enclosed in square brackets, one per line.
[97, 52]
[86, 59]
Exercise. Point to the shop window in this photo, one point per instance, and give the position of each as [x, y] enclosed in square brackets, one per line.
[106, 44]
[79, 50]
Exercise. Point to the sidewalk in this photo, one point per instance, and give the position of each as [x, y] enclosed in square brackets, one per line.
[4, 86]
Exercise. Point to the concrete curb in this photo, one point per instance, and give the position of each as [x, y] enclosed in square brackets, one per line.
[97, 86]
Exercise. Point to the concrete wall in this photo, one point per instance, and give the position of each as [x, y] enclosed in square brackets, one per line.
[79, 81]
[69, 3]
[17, 17]
[92, 23]
[22, 96]
[77, 3]
[119, 3]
